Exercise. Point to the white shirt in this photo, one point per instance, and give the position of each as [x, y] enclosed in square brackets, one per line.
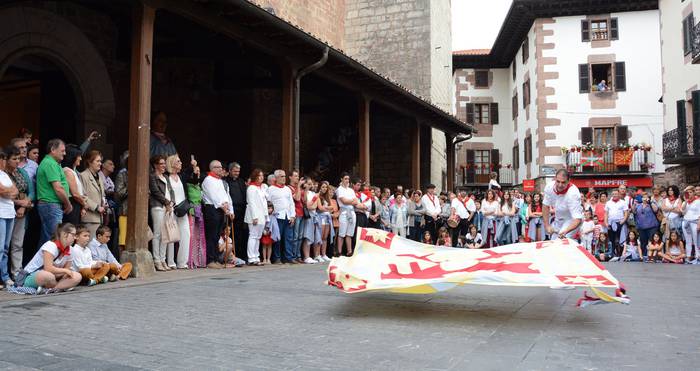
[37, 261]
[282, 201]
[492, 206]
[668, 204]
[78, 182]
[214, 193]
[567, 206]
[692, 211]
[460, 208]
[345, 192]
[367, 201]
[587, 229]
[7, 207]
[256, 204]
[82, 257]
[493, 184]
[432, 206]
[178, 190]
[616, 210]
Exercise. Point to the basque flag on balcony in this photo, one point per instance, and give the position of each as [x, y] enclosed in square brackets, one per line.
[590, 158]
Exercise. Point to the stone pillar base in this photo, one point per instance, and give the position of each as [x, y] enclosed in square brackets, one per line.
[142, 262]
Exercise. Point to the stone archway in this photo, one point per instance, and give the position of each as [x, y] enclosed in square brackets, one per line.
[25, 30]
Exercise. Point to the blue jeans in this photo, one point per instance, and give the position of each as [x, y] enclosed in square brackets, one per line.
[5, 238]
[286, 235]
[51, 216]
[298, 236]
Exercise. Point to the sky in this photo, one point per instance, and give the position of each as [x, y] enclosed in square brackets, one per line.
[475, 23]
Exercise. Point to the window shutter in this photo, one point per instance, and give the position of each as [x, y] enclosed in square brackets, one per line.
[584, 80]
[688, 23]
[680, 116]
[586, 135]
[696, 118]
[585, 30]
[471, 172]
[622, 135]
[470, 113]
[515, 106]
[494, 114]
[495, 161]
[614, 33]
[620, 80]
[514, 69]
[516, 157]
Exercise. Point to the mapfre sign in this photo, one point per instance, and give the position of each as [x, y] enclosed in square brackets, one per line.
[644, 182]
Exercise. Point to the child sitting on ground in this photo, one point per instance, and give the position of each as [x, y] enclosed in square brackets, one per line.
[587, 229]
[444, 238]
[93, 272]
[674, 249]
[461, 241]
[654, 248]
[100, 253]
[631, 250]
[427, 239]
[271, 234]
[227, 250]
[603, 248]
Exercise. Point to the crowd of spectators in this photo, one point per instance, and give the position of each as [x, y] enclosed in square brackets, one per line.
[219, 219]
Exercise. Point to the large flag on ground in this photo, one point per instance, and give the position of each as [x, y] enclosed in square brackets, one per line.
[384, 261]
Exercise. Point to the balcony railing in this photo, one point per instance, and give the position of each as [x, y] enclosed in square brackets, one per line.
[610, 161]
[681, 145]
[600, 35]
[482, 175]
[696, 44]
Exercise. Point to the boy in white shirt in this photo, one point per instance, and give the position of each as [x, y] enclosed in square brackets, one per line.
[91, 271]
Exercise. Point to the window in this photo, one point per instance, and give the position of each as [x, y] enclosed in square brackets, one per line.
[528, 149]
[599, 29]
[526, 49]
[515, 106]
[481, 79]
[688, 24]
[526, 93]
[603, 136]
[482, 113]
[515, 67]
[592, 76]
[516, 157]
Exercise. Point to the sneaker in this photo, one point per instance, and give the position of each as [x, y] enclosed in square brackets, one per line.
[91, 282]
[614, 259]
[310, 261]
[319, 259]
[326, 258]
[104, 279]
[9, 283]
[40, 290]
[694, 262]
[112, 278]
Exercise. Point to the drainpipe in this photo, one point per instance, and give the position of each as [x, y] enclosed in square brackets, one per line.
[297, 100]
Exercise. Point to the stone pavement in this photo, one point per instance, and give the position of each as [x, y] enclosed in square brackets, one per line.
[284, 317]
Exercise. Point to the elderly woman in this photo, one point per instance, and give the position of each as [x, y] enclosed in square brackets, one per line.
[159, 201]
[177, 187]
[95, 202]
[415, 211]
[399, 215]
[256, 215]
[70, 163]
[23, 203]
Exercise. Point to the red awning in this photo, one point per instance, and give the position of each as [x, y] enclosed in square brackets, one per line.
[614, 182]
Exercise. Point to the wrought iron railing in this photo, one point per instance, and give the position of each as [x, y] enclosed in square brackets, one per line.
[681, 143]
[696, 44]
[506, 176]
[610, 160]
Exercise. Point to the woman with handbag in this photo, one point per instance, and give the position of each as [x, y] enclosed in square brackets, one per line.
[70, 163]
[95, 205]
[177, 180]
[159, 203]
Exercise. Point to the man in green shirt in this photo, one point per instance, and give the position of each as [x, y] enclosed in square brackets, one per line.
[52, 190]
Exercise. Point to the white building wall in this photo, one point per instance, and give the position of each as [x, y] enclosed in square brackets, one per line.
[638, 107]
[527, 117]
[679, 75]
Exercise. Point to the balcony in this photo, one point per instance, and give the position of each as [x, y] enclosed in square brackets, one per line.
[610, 161]
[481, 175]
[679, 146]
[696, 44]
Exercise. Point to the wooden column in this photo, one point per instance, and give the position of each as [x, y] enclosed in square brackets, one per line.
[450, 147]
[415, 155]
[139, 141]
[288, 145]
[363, 127]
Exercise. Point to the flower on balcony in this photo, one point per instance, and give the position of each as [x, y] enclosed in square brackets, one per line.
[623, 146]
[642, 146]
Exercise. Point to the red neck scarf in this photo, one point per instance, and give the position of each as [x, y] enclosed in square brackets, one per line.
[672, 198]
[564, 191]
[62, 250]
[279, 186]
[256, 184]
[213, 175]
[614, 200]
[431, 198]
